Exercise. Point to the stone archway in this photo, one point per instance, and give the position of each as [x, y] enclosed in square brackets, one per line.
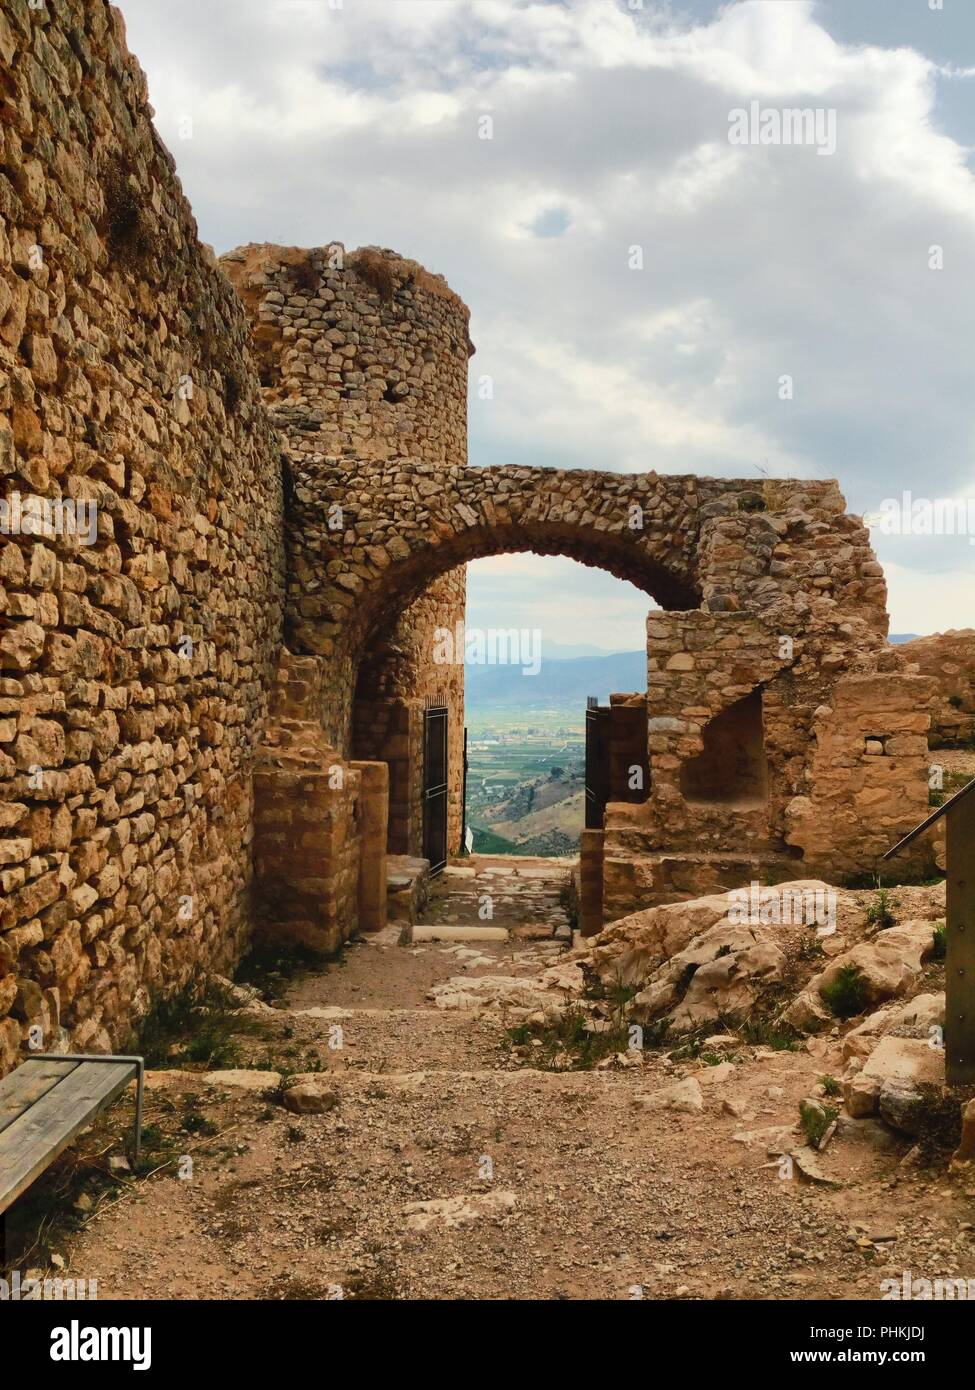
[762, 584]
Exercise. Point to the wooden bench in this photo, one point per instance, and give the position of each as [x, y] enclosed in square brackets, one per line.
[47, 1101]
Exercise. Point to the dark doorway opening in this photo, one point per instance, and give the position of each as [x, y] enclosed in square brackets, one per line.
[597, 762]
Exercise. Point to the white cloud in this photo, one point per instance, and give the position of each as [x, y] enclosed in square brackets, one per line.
[360, 124]
[921, 602]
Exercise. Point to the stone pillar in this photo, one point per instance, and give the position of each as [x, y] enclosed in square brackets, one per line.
[590, 882]
[373, 817]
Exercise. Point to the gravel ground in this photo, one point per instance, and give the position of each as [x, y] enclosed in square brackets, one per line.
[446, 1169]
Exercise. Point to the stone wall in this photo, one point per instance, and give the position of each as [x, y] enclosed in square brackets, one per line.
[949, 658]
[867, 780]
[399, 677]
[134, 671]
[320, 822]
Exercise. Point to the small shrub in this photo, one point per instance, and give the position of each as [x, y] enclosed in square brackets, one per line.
[125, 228]
[195, 1030]
[375, 269]
[761, 1032]
[195, 1123]
[569, 1044]
[939, 1120]
[940, 949]
[816, 1119]
[848, 994]
[305, 278]
[955, 701]
[233, 390]
[830, 1085]
[878, 913]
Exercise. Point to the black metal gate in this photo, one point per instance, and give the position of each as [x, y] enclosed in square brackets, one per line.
[435, 786]
[597, 762]
[463, 814]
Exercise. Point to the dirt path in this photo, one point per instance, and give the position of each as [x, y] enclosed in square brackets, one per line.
[448, 1169]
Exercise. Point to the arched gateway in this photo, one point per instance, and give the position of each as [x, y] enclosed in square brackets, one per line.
[776, 725]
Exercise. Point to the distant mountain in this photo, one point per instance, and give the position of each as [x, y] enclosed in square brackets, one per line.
[565, 682]
[568, 651]
[558, 684]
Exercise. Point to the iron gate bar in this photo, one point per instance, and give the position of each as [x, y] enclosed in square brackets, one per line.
[435, 779]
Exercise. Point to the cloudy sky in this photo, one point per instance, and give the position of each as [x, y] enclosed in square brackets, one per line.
[361, 121]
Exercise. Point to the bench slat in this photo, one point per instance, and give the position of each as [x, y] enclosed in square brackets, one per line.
[37, 1137]
[25, 1086]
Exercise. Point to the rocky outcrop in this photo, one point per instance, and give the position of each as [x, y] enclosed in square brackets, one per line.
[720, 976]
[919, 1017]
[888, 966]
[890, 1083]
[629, 950]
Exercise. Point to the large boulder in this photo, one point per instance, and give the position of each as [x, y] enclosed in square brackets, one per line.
[720, 975]
[629, 950]
[918, 1017]
[891, 1082]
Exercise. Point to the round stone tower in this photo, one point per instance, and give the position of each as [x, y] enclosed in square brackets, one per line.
[362, 354]
[363, 359]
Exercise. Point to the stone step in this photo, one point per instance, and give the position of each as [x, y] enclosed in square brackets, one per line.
[448, 931]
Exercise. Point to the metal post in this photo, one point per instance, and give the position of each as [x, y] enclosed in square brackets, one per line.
[960, 960]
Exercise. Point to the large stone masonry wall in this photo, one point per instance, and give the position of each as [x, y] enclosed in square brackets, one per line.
[363, 357]
[134, 671]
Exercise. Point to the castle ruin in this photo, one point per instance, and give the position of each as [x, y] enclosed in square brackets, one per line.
[212, 717]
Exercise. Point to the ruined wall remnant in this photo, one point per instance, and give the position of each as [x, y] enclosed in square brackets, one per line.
[868, 774]
[949, 659]
[320, 823]
[134, 670]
